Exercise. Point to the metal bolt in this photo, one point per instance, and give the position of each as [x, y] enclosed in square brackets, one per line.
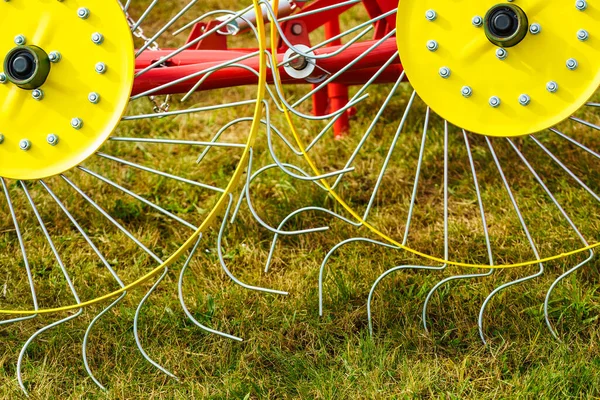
[535, 28]
[583, 35]
[83, 13]
[37, 94]
[572, 64]
[97, 38]
[76, 123]
[100, 68]
[1, 138]
[477, 21]
[431, 15]
[94, 98]
[54, 56]
[52, 139]
[552, 86]
[24, 144]
[581, 5]
[501, 53]
[524, 100]
[445, 72]
[20, 40]
[3, 78]
[466, 91]
[297, 29]
[494, 101]
[432, 45]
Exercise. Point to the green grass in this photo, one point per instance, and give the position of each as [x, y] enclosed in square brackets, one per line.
[288, 350]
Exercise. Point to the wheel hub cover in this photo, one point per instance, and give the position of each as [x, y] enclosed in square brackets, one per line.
[55, 127]
[500, 91]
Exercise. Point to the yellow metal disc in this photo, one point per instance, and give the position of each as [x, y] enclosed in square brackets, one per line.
[63, 27]
[520, 82]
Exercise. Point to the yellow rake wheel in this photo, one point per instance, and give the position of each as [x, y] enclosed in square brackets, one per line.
[73, 135]
[479, 153]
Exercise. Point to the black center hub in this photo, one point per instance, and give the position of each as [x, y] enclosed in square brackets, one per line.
[506, 25]
[27, 67]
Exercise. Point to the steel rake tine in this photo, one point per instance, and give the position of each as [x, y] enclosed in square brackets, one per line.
[262, 170]
[107, 266]
[86, 338]
[485, 232]
[332, 251]
[295, 213]
[409, 218]
[222, 259]
[136, 335]
[25, 259]
[572, 225]
[249, 176]
[527, 234]
[290, 173]
[67, 279]
[182, 300]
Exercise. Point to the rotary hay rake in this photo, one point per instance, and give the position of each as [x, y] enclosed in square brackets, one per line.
[51, 170]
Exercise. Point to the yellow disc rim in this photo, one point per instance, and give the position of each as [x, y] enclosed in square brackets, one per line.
[56, 26]
[519, 82]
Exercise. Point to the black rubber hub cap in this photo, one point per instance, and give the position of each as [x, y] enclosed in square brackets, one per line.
[27, 67]
[506, 25]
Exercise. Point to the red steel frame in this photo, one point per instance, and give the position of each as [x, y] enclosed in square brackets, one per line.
[213, 51]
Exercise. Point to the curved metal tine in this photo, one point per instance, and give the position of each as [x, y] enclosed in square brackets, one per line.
[260, 172]
[222, 259]
[485, 232]
[258, 219]
[160, 173]
[139, 198]
[409, 218]
[31, 339]
[359, 93]
[136, 335]
[292, 215]
[593, 104]
[391, 152]
[527, 234]
[25, 259]
[188, 111]
[369, 130]
[144, 15]
[108, 267]
[182, 300]
[191, 43]
[246, 119]
[164, 28]
[573, 226]
[112, 220]
[86, 339]
[67, 279]
[333, 250]
[282, 165]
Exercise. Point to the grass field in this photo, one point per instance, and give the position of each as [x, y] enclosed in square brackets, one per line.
[288, 350]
